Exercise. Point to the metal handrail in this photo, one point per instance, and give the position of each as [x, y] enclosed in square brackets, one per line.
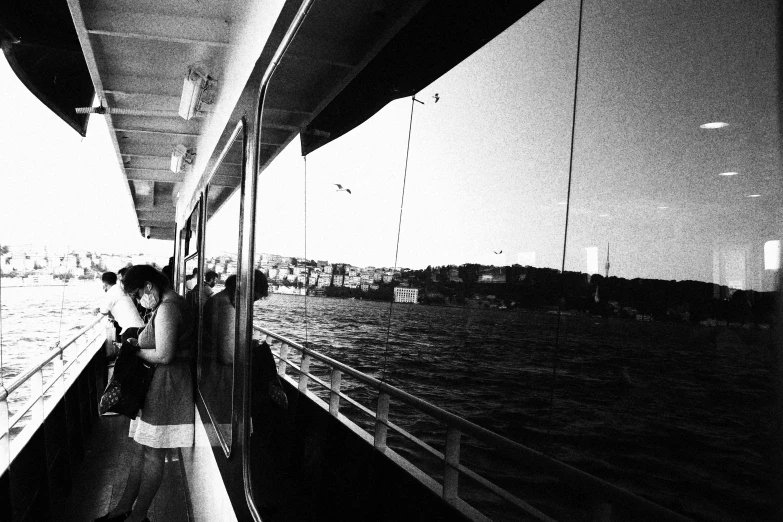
[45, 359]
[36, 403]
[572, 476]
[57, 378]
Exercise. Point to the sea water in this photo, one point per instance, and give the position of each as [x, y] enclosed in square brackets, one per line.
[677, 413]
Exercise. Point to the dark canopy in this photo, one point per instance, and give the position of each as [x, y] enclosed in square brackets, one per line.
[441, 35]
[41, 45]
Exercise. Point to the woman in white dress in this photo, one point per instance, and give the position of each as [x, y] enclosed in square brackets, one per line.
[166, 419]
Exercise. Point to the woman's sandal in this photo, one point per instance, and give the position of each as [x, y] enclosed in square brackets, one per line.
[118, 518]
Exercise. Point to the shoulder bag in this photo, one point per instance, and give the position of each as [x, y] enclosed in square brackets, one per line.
[128, 387]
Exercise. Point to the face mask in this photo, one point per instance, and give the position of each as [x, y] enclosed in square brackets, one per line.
[148, 301]
[190, 283]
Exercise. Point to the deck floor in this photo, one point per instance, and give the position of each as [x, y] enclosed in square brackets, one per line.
[99, 480]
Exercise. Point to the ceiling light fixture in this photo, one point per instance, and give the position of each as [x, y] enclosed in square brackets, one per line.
[754, 195]
[662, 207]
[142, 188]
[728, 173]
[180, 156]
[197, 89]
[714, 125]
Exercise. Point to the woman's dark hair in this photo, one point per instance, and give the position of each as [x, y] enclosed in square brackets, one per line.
[137, 275]
[109, 278]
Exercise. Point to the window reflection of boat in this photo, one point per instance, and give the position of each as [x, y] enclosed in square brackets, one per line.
[282, 69]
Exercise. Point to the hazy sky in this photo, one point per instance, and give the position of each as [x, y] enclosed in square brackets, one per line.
[489, 163]
[57, 188]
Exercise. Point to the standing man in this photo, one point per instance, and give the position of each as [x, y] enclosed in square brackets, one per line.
[210, 279]
[120, 308]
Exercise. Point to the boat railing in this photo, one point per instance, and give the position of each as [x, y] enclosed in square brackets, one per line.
[43, 384]
[605, 498]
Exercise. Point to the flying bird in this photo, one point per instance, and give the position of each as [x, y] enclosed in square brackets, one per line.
[340, 187]
[436, 97]
[498, 252]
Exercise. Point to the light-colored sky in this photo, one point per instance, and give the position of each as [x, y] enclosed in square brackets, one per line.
[57, 188]
[489, 163]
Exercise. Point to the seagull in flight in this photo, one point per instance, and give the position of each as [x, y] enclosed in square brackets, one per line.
[498, 252]
[340, 187]
[436, 97]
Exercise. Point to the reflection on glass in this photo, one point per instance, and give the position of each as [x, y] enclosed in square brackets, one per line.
[675, 151]
[188, 251]
[645, 362]
[216, 291]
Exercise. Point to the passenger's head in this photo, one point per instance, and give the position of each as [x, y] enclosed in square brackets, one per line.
[210, 278]
[141, 280]
[260, 285]
[121, 273]
[231, 287]
[231, 284]
[109, 279]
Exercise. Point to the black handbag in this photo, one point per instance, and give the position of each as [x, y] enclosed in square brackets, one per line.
[128, 387]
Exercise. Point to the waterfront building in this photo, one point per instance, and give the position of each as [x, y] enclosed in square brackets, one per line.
[406, 295]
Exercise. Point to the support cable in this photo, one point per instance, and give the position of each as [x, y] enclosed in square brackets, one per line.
[307, 264]
[399, 228]
[568, 207]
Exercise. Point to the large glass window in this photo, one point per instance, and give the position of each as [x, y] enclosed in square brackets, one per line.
[216, 288]
[675, 195]
[585, 267]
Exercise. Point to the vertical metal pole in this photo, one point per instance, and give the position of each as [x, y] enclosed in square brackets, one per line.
[381, 420]
[5, 436]
[305, 367]
[36, 390]
[59, 373]
[334, 395]
[451, 465]
[283, 362]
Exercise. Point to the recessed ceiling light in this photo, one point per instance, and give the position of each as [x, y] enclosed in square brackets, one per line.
[714, 125]
[662, 207]
[754, 195]
[728, 173]
[561, 202]
[603, 215]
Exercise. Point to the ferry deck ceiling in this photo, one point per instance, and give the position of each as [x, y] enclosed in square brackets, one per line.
[348, 60]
